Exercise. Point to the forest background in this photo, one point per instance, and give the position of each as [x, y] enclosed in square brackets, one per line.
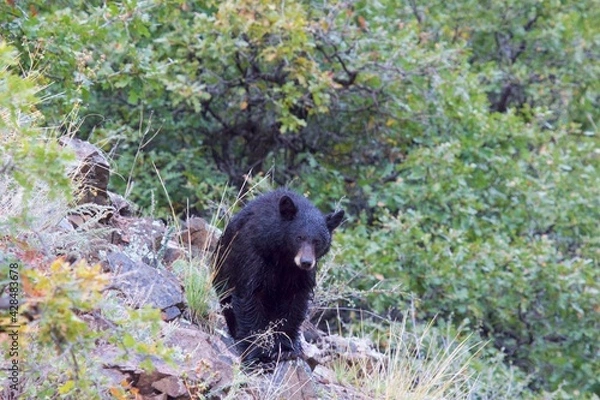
[460, 136]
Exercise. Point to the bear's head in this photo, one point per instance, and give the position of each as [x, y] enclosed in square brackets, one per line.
[308, 233]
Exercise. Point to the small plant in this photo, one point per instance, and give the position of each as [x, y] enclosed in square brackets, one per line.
[56, 340]
[197, 280]
[32, 164]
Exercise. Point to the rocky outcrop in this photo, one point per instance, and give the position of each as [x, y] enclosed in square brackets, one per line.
[138, 253]
[206, 368]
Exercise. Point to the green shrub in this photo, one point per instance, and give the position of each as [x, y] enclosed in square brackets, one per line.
[500, 232]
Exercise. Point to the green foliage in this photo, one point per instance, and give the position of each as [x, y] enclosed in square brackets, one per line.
[30, 157]
[499, 231]
[530, 54]
[58, 294]
[461, 136]
[138, 332]
[59, 345]
[22, 90]
[56, 343]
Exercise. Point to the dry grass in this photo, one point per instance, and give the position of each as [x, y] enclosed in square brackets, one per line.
[425, 365]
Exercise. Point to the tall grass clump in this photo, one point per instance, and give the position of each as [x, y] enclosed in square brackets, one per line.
[429, 362]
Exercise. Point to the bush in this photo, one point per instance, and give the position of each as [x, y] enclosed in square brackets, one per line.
[499, 233]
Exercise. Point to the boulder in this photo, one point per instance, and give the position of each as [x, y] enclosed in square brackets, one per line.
[142, 284]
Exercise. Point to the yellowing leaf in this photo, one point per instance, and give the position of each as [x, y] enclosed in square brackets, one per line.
[371, 123]
[57, 264]
[243, 105]
[128, 341]
[67, 387]
[117, 393]
[270, 55]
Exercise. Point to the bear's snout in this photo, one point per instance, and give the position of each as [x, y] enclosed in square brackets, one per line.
[305, 259]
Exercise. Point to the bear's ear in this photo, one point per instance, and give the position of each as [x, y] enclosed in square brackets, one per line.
[287, 208]
[334, 220]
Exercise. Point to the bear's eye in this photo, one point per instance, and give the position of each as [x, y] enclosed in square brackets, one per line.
[300, 238]
[316, 242]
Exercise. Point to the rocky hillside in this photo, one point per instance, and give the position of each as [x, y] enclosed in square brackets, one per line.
[139, 258]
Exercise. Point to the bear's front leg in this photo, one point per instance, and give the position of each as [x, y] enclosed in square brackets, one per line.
[291, 313]
[252, 324]
[286, 347]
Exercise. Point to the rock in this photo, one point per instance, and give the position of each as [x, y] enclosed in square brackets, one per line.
[312, 355]
[121, 205]
[161, 396]
[170, 313]
[91, 171]
[115, 367]
[202, 366]
[115, 376]
[142, 284]
[208, 357]
[310, 332]
[148, 235]
[144, 233]
[172, 253]
[198, 235]
[172, 386]
[293, 381]
[65, 225]
[77, 220]
[353, 351]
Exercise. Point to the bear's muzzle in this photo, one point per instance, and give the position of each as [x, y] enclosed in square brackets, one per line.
[305, 259]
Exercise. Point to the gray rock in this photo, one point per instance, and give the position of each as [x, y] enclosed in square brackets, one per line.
[293, 380]
[140, 232]
[142, 284]
[121, 205]
[170, 313]
[172, 386]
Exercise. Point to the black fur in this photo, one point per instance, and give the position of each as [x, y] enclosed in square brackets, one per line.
[266, 265]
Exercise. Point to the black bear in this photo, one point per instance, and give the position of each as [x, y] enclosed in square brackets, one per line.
[266, 272]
